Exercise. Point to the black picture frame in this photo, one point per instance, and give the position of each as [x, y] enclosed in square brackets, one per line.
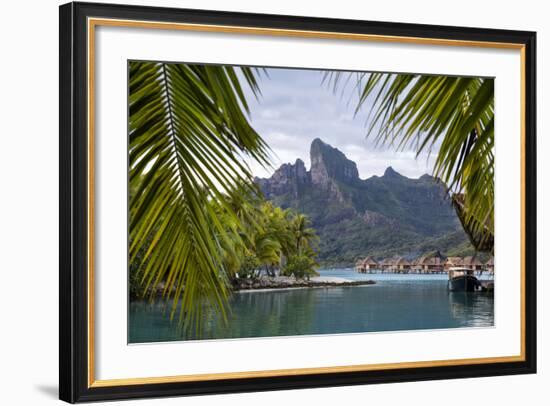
[74, 385]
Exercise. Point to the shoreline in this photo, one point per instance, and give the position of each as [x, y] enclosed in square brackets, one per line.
[253, 290]
[282, 283]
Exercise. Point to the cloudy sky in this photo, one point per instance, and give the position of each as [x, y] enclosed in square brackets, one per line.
[296, 107]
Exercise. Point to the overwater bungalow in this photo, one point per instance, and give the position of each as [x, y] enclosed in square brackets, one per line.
[421, 265]
[402, 265]
[433, 262]
[359, 265]
[415, 266]
[430, 263]
[473, 263]
[389, 265]
[385, 265]
[367, 265]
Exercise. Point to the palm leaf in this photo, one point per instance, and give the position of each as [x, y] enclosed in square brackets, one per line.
[480, 236]
[188, 133]
[456, 114]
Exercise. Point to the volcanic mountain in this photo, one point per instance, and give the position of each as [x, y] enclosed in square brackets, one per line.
[381, 216]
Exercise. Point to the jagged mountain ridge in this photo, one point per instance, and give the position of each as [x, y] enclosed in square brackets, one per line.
[381, 215]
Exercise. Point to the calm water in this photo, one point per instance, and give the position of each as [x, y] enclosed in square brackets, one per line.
[396, 302]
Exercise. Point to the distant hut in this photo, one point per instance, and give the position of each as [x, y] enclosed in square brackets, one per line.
[423, 264]
[389, 264]
[367, 265]
[370, 264]
[431, 263]
[386, 265]
[473, 263]
[451, 262]
[416, 266]
[401, 265]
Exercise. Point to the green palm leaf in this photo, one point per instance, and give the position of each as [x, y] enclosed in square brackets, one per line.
[454, 113]
[188, 132]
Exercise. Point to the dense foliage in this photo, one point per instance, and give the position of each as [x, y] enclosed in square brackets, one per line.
[300, 266]
[188, 130]
[275, 240]
[269, 241]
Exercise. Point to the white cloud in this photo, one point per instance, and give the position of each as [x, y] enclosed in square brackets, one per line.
[269, 114]
[295, 108]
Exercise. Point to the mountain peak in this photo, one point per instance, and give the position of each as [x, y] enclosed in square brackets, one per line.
[391, 173]
[329, 163]
[299, 163]
[318, 142]
[427, 177]
[380, 216]
[288, 178]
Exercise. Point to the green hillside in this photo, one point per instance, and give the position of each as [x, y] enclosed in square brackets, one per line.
[380, 216]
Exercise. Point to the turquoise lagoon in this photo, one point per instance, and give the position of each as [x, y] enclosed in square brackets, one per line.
[395, 303]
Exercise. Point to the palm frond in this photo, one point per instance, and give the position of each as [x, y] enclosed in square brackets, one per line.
[480, 235]
[188, 132]
[455, 114]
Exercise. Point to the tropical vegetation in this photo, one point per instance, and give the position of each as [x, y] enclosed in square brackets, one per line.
[196, 220]
[188, 131]
[275, 242]
[195, 216]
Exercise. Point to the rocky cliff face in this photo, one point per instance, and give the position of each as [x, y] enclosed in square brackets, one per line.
[328, 167]
[328, 164]
[357, 217]
[372, 218]
[288, 178]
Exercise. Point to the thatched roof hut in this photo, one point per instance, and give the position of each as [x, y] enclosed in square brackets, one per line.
[472, 263]
[370, 261]
[402, 264]
[402, 261]
[365, 264]
[385, 263]
[430, 262]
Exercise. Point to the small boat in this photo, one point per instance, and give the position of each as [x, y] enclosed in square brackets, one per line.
[462, 280]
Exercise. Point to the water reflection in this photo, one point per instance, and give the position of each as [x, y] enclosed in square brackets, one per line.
[472, 309]
[274, 313]
[394, 303]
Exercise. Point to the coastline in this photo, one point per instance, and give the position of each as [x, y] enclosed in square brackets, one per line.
[286, 283]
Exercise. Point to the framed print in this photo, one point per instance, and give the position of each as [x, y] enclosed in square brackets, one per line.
[258, 202]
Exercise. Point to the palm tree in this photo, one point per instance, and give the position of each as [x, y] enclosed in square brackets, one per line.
[274, 236]
[303, 234]
[188, 130]
[454, 113]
